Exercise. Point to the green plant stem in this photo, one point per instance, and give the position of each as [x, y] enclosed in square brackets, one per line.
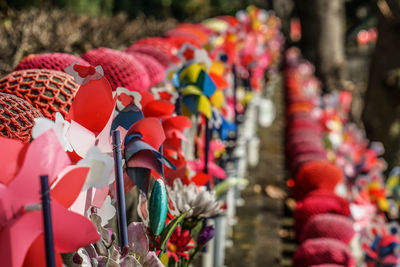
[197, 249]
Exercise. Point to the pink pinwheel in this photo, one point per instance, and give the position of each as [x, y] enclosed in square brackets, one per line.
[213, 169]
[20, 228]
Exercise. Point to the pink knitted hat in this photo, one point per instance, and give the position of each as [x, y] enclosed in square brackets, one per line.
[16, 117]
[155, 70]
[330, 226]
[323, 251]
[120, 68]
[162, 57]
[318, 202]
[51, 61]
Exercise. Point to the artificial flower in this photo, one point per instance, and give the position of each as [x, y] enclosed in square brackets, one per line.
[185, 197]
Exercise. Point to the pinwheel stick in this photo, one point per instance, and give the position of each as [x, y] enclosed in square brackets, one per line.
[121, 215]
[48, 227]
[207, 144]
[235, 94]
[178, 103]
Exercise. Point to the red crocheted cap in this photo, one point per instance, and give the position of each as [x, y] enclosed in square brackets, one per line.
[180, 39]
[300, 160]
[193, 33]
[51, 61]
[161, 43]
[318, 202]
[155, 70]
[120, 68]
[317, 175]
[328, 225]
[327, 265]
[49, 91]
[323, 251]
[163, 58]
[16, 117]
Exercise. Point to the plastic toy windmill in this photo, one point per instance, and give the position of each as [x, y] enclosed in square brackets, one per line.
[197, 86]
[92, 110]
[142, 144]
[21, 222]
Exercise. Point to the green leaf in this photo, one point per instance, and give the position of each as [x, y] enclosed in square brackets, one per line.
[224, 186]
[195, 231]
[167, 232]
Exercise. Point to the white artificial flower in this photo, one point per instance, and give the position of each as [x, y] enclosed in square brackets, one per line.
[101, 168]
[60, 127]
[184, 197]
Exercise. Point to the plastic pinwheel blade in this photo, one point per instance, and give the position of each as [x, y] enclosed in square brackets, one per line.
[93, 105]
[140, 176]
[127, 117]
[206, 84]
[151, 132]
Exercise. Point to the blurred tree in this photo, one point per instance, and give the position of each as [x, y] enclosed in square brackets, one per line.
[381, 113]
[323, 38]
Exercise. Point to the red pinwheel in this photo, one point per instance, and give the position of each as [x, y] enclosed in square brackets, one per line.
[142, 144]
[92, 110]
[22, 230]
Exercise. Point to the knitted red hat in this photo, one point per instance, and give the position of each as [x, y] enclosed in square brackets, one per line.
[120, 68]
[162, 57]
[51, 61]
[328, 225]
[161, 43]
[327, 265]
[317, 175]
[155, 70]
[323, 251]
[181, 39]
[16, 117]
[49, 91]
[318, 202]
[198, 36]
[299, 160]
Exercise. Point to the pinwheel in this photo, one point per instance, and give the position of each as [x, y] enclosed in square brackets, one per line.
[213, 169]
[22, 229]
[382, 249]
[197, 86]
[92, 110]
[142, 144]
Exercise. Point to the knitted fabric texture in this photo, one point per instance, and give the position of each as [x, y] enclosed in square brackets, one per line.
[162, 44]
[180, 39]
[49, 91]
[16, 117]
[317, 175]
[317, 203]
[155, 70]
[51, 61]
[328, 225]
[327, 265]
[297, 162]
[163, 58]
[323, 251]
[120, 68]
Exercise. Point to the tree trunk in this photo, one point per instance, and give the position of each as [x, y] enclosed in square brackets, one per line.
[381, 113]
[323, 39]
